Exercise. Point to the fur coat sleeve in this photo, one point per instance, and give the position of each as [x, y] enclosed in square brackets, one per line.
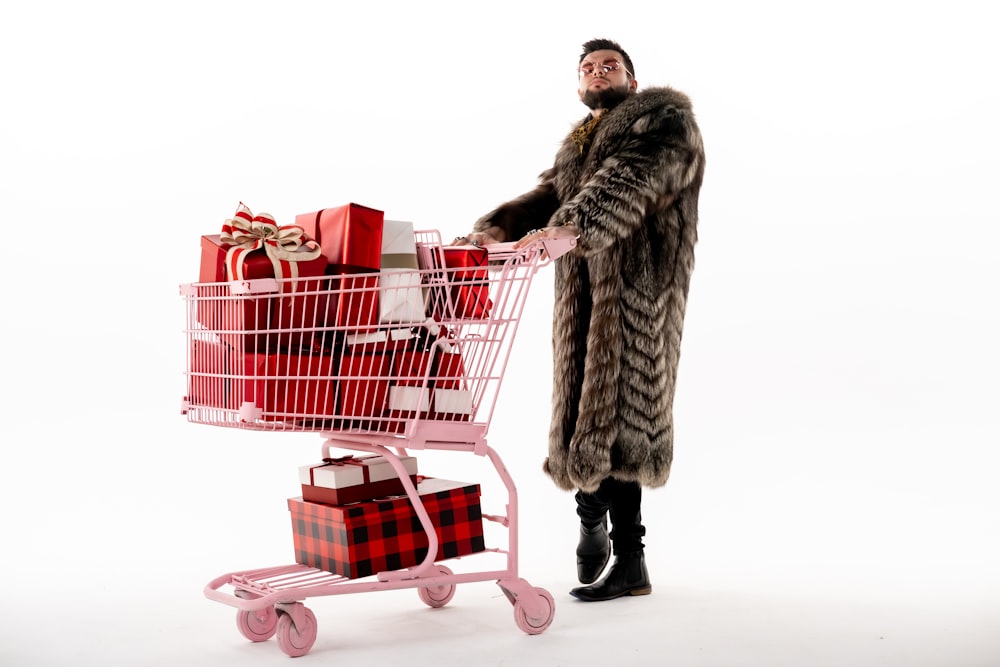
[621, 293]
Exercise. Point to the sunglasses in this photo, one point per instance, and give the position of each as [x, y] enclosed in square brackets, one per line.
[588, 68]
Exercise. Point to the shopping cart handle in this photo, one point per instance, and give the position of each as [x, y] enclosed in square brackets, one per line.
[554, 248]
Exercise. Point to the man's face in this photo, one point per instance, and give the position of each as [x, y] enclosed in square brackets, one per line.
[604, 82]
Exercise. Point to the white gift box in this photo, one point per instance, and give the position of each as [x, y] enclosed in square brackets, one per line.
[380, 336]
[352, 479]
[401, 298]
[452, 402]
[352, 470]
[410, 399]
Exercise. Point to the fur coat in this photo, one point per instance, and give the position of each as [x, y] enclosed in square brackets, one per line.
[621, 293]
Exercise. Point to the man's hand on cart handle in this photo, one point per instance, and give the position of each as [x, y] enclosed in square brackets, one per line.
[479, 239]
[560, 232]
[496, 235]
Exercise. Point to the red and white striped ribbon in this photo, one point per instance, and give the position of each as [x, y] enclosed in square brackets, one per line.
[284, 245]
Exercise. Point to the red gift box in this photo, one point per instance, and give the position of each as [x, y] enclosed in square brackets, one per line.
[282, 386]
[352, 479]
[363, 539]
[466, 262]
[472, 302]
[288, 387]
[402, 368]
[451, 398]
[210, 377]
[353, 303]
[449, 370]
[253, 248]
[410, 367]
[409, 395]
[350, 237]
[466, 270]
[364, 387]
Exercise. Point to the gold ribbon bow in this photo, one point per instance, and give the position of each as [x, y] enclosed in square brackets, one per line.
[285, 245]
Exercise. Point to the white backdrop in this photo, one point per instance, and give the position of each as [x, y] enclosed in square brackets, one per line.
[833, 499]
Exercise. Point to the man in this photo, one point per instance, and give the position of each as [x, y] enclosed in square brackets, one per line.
[626, 183]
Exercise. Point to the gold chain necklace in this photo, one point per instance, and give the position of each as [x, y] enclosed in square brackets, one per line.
[581, 135]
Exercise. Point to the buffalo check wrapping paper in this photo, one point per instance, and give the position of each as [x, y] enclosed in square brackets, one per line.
[362, 539]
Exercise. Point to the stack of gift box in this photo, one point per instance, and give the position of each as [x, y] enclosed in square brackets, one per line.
[355, 519]
[352, 336]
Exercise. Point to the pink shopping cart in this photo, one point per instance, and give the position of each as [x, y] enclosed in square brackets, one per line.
[380, 363]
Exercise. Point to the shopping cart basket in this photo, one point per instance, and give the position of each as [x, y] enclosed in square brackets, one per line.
[381, 363]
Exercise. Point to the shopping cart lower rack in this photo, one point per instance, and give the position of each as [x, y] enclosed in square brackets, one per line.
[381, 363]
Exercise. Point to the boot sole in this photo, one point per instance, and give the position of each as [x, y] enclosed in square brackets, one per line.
[645, 590]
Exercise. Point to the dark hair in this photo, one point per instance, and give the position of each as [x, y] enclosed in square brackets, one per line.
[606, 45]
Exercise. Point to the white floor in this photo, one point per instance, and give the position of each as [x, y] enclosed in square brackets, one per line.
[110, 570]
[676, 625]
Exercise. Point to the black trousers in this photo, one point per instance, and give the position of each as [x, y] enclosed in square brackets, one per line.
[622, 500]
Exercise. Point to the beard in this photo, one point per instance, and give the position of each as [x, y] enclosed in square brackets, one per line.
[606, 99]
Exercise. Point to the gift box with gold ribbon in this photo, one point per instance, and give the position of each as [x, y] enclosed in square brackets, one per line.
[252, 247]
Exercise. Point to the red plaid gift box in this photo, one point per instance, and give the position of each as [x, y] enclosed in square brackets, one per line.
[363, 539]
[352, 479]
[252, 247]
[350, 237]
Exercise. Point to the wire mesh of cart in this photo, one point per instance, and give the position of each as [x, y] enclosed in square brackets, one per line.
[378, 362]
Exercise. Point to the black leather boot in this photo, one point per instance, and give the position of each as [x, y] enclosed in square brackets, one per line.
[627, 576]
[593, 551]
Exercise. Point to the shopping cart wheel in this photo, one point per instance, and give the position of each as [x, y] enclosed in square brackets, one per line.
[258, 625]
[439, 595]
[535, 626]
[296, 639]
